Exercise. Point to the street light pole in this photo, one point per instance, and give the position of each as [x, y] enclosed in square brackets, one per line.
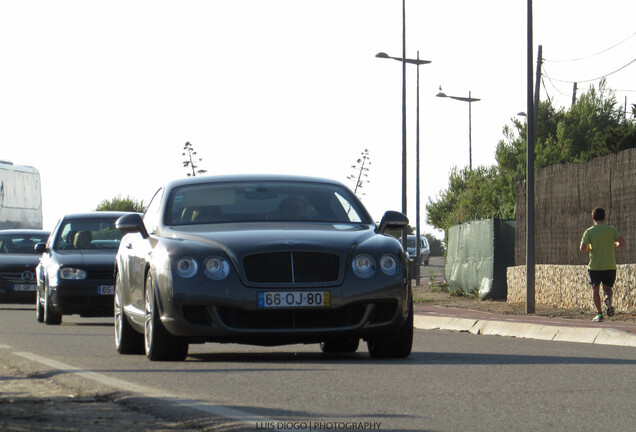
[470, 100]
[417, 62]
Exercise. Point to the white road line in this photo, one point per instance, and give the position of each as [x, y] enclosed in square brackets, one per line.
[230, 413]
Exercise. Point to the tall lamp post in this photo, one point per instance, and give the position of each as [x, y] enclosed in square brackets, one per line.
[417, 62]
[470, 100]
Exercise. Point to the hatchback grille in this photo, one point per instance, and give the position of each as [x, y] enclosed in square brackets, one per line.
[292, 267]
[100, 274]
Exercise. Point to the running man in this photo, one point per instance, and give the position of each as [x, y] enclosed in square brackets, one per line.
[600, 240]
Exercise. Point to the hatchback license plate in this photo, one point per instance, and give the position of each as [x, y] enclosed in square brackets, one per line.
[24, 287]
[282, 299]
[106, 289]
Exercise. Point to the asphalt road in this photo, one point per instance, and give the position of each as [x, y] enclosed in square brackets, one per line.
[451, 382]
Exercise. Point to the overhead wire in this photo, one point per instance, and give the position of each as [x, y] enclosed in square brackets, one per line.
[595, 79]
[598, 53]
[553, 80]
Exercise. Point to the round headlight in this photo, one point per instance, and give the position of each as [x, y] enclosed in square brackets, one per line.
[186, 267]
[363, 266]
[72, 273]
[389, 265]
[216, 268]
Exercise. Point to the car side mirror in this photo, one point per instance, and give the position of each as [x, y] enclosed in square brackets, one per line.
[132, 223]
[393, 220]
[40, 247]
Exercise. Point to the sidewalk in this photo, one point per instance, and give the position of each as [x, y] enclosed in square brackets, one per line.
[525, 326]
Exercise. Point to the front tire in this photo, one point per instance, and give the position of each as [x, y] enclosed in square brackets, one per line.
[159, 343]
[39, 309]
[394, 345]
[127, 340]
[50, 316]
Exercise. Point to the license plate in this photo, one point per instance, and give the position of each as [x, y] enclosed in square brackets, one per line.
[106, 289]
[282, 299]
[24, 287]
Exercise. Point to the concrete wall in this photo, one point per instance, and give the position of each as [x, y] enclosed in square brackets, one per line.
[567, 286]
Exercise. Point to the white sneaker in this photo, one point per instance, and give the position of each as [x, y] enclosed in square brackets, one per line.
[598, 318]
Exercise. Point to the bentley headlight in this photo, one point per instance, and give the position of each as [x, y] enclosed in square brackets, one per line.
[186, 267]
[389, 265]
[71, 273]
[216, 268]
[364, 266]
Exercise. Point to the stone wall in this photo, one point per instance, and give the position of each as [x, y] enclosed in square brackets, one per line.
[567, 286]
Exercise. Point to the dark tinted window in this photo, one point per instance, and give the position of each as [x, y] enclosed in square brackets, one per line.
[263, 202]
[20, 243]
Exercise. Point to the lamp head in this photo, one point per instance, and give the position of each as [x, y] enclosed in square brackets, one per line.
[382, 55]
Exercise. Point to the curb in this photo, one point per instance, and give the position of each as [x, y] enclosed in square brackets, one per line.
[525, 330]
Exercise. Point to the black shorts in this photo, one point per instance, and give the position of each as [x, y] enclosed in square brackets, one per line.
[607, 277]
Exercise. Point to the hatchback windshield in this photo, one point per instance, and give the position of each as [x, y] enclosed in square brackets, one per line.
[263, 202]
[82, 234]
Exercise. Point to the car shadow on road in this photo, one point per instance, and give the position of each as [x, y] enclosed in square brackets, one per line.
[416, 358]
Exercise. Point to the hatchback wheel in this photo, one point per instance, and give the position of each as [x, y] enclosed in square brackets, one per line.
[39, 309]
[50, 316]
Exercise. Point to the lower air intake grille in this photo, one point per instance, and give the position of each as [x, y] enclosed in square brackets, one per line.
[293, 319]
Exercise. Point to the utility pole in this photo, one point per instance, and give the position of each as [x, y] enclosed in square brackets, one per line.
[537, 86]
[574, 94]
[530, 257]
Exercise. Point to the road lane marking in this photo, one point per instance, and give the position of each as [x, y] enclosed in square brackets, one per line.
[149, 392]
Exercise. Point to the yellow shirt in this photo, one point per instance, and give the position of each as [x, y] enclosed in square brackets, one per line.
[601, 239]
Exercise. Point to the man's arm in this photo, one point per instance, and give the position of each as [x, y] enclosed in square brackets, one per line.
[585, 248]
[620, 242]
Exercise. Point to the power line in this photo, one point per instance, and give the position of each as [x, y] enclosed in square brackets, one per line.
[593, 79]
[593, 55]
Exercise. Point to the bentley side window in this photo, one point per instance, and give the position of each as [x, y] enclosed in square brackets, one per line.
[152, 215]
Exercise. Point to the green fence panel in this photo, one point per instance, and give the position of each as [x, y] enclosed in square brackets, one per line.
[478, 255]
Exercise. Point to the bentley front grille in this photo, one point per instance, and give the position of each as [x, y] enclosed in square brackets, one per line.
[292, 267]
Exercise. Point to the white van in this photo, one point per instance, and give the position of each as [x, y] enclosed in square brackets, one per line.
[20, 197]
[425, 250]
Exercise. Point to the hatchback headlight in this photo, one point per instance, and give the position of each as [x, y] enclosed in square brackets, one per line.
[186, 267]
[71, 273]
[364, 266]
[389, 265]
[216, 268]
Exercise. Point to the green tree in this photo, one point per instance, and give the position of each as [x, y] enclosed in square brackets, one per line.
[436, 245]
[594, 126]
[471, 194]
[121, 204]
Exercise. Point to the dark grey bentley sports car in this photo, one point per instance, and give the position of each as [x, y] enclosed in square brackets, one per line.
[263, 260]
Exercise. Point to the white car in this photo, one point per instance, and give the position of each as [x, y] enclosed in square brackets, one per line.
[425, 249]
